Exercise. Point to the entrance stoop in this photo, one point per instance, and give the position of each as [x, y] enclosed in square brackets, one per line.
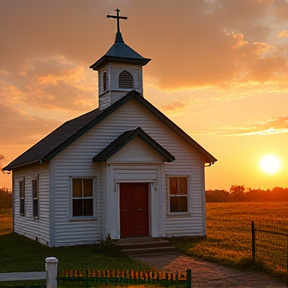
[145, 246]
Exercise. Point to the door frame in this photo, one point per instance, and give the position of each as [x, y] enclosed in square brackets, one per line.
[118, 173]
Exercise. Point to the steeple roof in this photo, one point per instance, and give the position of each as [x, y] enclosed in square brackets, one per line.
[119, 51]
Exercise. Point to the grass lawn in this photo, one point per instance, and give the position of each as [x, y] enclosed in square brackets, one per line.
[18, 253]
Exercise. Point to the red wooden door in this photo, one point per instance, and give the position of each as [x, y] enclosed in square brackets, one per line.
[134, 209]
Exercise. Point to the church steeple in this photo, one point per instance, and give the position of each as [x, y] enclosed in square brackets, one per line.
[119, 38]
[119, 70]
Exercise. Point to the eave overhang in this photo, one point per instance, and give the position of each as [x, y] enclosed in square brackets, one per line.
[125, 60]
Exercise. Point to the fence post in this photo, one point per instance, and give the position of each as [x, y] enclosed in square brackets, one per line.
[287, 260]
[189, 278]
[51, 265]
[253, 242]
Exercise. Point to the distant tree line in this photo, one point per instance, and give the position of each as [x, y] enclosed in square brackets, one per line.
[5, 198]
[238, 193]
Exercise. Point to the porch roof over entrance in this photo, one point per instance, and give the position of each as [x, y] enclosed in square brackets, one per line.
[125, 138]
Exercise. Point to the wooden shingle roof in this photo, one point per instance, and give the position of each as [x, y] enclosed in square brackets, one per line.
[71, 130]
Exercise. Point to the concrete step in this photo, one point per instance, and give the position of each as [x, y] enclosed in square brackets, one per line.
[149, 251]
[145, 246]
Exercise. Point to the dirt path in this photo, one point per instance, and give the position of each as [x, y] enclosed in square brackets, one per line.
[210, 275]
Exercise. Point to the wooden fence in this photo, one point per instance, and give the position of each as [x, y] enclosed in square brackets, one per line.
[127, 277]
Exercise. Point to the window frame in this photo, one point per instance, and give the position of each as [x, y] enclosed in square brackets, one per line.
[105, 81]
[35, 185]
[22, 197]
[124, 78]
[93, 197]
[187, 212]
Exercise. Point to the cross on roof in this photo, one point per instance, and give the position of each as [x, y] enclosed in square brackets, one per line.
[117, 17]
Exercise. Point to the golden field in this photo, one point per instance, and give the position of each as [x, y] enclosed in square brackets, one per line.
[229, 227]
[229, 237]
[5, 221]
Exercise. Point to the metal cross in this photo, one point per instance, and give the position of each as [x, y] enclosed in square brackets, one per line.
[117, 17]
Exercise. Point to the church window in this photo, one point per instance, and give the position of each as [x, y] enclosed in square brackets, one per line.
[22, 197]
[178, 194]
[82, 197]
[35, 195]
[125, 80]
[104, 81]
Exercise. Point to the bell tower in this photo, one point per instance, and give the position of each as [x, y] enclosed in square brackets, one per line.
[119, 70]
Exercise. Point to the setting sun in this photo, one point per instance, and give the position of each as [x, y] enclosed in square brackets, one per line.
[269, 164]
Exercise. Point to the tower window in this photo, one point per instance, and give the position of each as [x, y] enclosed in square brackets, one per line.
[125, 80]
[104, 81]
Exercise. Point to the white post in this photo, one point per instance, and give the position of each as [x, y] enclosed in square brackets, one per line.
[51, 267]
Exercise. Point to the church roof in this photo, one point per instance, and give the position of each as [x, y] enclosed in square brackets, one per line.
[54, 142]
[71, 130]
[125, 138]
[120, 52]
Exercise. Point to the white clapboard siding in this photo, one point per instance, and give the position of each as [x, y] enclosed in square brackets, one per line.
[101, 198]
[67, 230]
[36, 229]
[136, 151]
[132, 173]
[76, 160]
[113, 71]
[104, 101]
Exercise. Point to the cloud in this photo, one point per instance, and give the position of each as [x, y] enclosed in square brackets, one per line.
[283, 34]
[177, 108]
[227, 46]
[222, 44]
[49, 83]
[23, 130]
[277, 125]
[195, 43]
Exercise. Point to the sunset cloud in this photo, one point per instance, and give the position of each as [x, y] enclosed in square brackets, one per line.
[221, 55]
[178, 107]
[219, 42]
[219, 67]
[283, 34]
[277, 125]
[50, 83]
[20, 129]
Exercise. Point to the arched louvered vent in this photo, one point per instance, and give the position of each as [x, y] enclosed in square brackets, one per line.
[125, 80]
[104, 81]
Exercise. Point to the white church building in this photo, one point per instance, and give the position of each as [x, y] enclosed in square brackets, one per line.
[123, 169]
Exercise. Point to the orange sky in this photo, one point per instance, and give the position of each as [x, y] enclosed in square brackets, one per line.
[219, 70]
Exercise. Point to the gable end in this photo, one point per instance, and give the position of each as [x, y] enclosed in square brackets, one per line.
[126, 137]
[71, 130]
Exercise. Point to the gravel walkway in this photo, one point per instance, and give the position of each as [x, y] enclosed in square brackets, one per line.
[210, 275]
